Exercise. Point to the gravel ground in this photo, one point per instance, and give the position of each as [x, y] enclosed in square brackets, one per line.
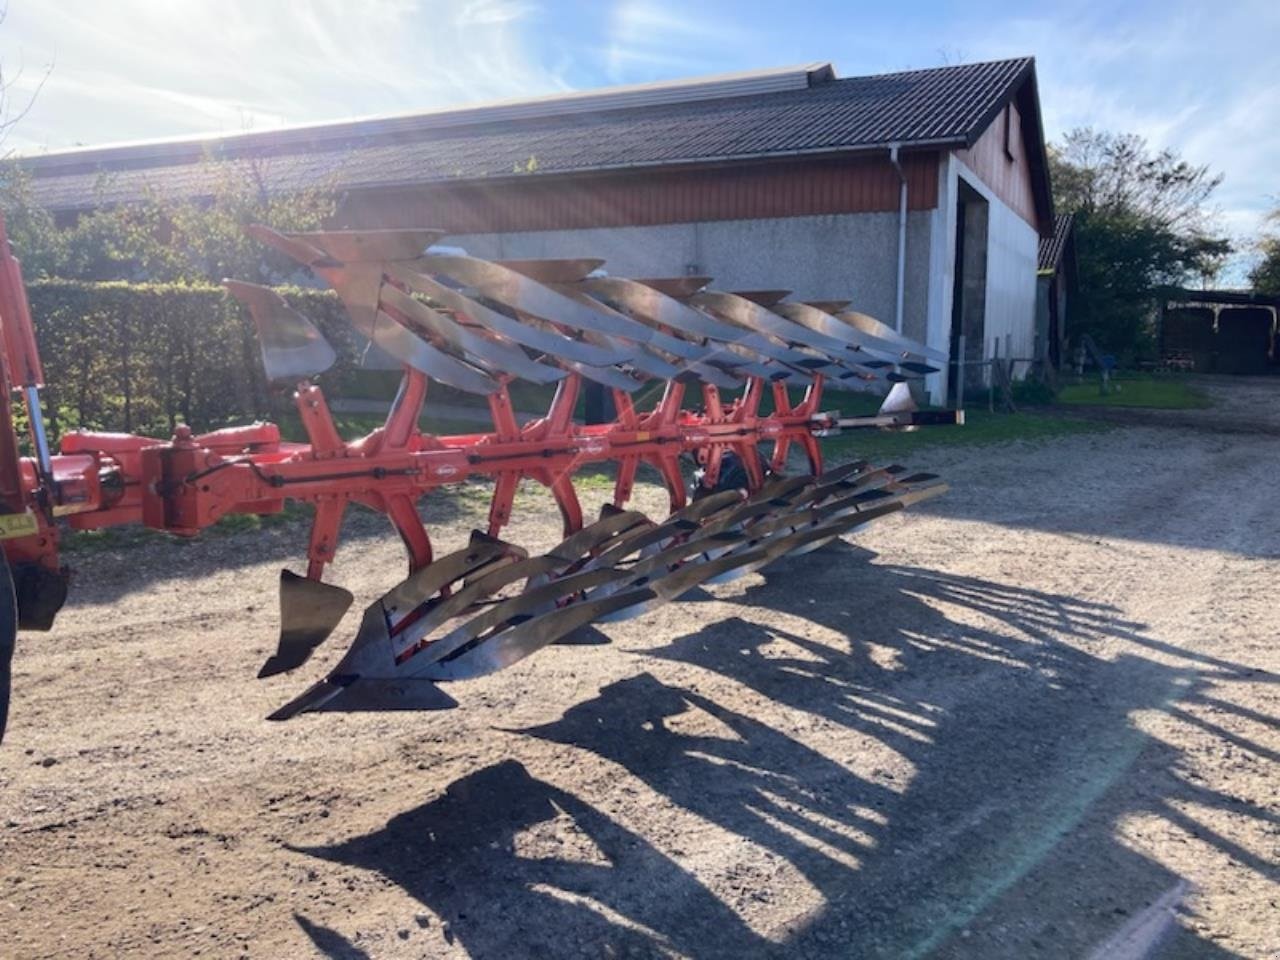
[1034, 718]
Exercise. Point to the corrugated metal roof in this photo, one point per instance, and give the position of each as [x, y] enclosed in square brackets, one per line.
[1053, 247]
[1222, 297]
[712, 87]
[797, 111]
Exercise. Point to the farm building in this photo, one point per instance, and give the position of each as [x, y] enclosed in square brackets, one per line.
[1220, 331]
[920, 196]
[1056, 288]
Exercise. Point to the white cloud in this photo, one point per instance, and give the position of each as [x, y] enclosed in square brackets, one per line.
[647, 40]
[1197, 78]
[135, 69]
[493, 11]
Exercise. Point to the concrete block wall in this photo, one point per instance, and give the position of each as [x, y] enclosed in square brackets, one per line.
[836, 256]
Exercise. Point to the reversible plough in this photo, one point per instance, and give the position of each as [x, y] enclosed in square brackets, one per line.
[720, 359]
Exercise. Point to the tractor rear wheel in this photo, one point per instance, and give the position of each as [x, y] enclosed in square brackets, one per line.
[8, 637]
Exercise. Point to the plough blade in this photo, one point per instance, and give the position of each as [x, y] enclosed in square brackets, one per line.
[589, 539]
[867, 350]
[443, 624]
[871, 327]
[309, 612]
[681, 288]
[553, 271]
[481, 556]
[606, 376]
[475, 325]
[765, 298]
[528, 296]
[751, 315]
[359, 695]
[736, 348]
[397, 627]
[644, 361]
[413, 351]
[525, 636]
[828, 306]
[369, 246]
[721, 379]
[494, 620]
[614, 331]
[808, 539]
[706, 568]
[544, 340]
[494, 356]
[653, 340]
[292, 347]
[305, 253]
[650, 305]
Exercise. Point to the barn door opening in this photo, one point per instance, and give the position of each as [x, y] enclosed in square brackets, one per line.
[969, 293]
[1244, 340]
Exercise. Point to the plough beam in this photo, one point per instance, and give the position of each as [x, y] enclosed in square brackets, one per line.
[702, 381]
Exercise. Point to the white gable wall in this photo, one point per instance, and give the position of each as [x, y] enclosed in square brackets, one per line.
[1012, 256]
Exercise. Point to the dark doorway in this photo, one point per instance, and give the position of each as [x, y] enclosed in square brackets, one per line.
[969, 292]
[1244, 340]
[1221, 331]
[1189, 337]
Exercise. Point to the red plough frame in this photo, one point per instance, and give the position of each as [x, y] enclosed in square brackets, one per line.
[191, 481]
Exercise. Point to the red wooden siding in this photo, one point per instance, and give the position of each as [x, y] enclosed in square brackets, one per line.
[641, 198]
[1009, 179]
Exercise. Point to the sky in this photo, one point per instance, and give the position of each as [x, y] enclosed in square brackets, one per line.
[1201, 78]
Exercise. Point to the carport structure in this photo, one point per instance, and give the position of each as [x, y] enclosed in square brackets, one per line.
[1220, 331]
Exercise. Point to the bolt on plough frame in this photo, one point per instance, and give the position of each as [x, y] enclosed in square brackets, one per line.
[477, 326]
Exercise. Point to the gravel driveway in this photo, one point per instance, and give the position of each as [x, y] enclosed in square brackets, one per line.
[1034, 718]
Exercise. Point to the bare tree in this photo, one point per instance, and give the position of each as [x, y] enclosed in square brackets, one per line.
[1143, 224]
[10, 112]
[1098, 172]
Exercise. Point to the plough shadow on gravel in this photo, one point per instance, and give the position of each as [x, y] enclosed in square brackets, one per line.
[1020, 743]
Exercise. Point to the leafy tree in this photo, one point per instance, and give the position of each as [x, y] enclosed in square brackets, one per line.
[1142, 227]
[165, 346]
[31, 228]
[1265, 276]
[156, 239]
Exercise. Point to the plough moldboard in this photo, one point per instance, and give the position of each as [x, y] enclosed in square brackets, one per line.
[729, 367]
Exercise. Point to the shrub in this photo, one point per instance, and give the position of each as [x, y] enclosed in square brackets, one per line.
[143, 357]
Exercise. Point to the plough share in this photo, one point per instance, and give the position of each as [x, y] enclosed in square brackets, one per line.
[729, 367]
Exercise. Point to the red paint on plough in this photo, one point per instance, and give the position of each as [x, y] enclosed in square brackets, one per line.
[478, 326]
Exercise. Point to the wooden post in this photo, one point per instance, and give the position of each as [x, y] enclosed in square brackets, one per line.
[991, 375]
[1006, 385]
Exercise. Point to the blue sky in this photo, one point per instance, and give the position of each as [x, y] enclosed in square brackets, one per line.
[1199, 77]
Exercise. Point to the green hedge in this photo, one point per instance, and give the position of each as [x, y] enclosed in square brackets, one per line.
[143, 357]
